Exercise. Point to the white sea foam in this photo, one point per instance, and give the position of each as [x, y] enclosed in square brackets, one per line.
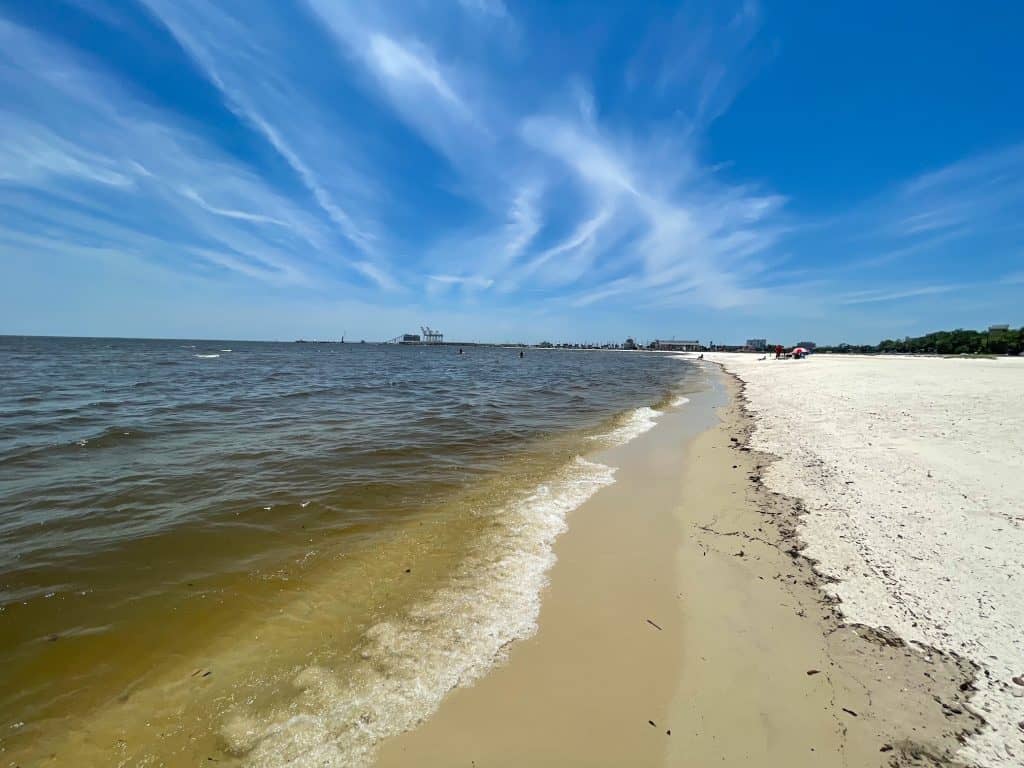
[206, 357]
[680, 401]
[638, 422]
[449, 639]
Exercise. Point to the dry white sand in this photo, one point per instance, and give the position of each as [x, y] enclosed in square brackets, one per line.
[912, 474]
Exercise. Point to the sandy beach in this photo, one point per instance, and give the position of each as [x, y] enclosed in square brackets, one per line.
[911, 475]
[682, 626]
[780, 564]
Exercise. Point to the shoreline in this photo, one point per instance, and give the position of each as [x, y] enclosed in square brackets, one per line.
[325, 674]
[910, 485]
[685, 620]
[680, 625]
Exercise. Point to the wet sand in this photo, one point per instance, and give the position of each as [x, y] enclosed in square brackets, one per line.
[911, 474]
[682, 626]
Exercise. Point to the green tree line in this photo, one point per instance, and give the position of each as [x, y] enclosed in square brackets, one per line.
[959, 342]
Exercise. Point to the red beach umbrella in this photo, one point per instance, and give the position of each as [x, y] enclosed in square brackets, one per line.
[799, 351]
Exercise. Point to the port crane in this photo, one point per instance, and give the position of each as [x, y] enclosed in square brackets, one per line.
[431, 335]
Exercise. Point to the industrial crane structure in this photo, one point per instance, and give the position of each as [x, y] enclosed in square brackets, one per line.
[431, 335]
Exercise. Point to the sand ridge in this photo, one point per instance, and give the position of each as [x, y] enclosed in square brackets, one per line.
[911, 473]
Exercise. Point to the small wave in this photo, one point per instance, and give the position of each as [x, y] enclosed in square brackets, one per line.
[634, 424]
[680, 401]
[450, 639]
[109, 437]
[206, 357]
[227, 350]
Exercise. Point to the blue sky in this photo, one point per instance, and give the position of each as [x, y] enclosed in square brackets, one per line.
[510, 171]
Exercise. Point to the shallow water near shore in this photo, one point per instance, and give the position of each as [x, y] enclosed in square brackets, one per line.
[280, 553]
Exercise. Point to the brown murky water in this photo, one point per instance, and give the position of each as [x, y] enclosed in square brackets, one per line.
[274, 554]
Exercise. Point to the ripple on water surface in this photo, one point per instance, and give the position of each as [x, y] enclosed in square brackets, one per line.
[338, 534]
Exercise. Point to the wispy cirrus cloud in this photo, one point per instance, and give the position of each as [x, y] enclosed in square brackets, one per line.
[453, 154]
[979, 193]
[553, 200]
[246, 58]
[100, 177]
[631, 212]
[471, 282]
[399, 66]
[883, 294]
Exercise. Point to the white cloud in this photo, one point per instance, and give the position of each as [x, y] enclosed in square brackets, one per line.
[265, 268]
[394, 62]
[32, 154]
[409, 76]
[572, 255]
[616, 288]
[472, 281]
[984, 168]
[228, 213]
[524, 222]
[646, 207]
[872, 296]
[499, 182]
[117, 176]
[978, 193]
[680, 234]
[244, 58]
[590, 159]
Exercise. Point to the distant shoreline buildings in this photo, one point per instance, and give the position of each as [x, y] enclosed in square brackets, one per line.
[676, 345]
[997, 339]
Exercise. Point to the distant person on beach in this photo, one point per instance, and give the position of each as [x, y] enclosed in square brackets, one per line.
[778, 351]
[521, 353]
[460, 350]
[700, 356]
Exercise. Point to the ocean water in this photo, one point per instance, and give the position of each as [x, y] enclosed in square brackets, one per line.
[274, 553]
